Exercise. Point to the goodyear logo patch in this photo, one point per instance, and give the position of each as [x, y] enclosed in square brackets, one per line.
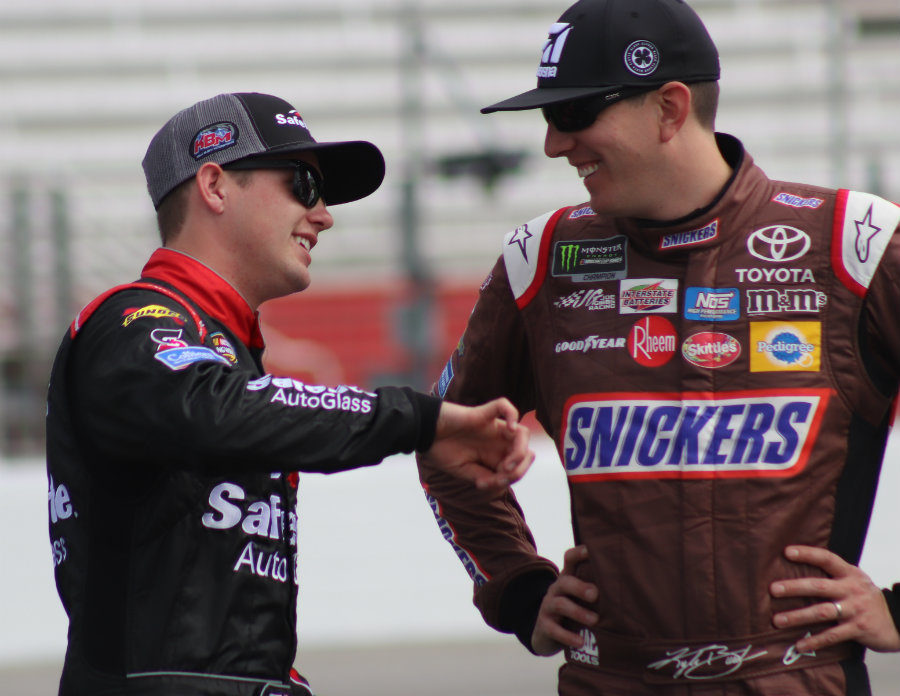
[154, 311]
[777, 346]
[763, 432]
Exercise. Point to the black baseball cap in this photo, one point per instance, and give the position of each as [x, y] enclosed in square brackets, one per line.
[618, 48]
[244, 125]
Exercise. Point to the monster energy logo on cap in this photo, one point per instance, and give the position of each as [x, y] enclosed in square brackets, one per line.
[588, 260]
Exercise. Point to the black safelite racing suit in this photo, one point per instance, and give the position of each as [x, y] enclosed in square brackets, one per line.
[718, 388]
[171, 493]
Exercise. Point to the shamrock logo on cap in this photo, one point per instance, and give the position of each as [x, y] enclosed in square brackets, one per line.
[642, 58]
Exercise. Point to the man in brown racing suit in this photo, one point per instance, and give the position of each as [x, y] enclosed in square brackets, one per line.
[714, 354]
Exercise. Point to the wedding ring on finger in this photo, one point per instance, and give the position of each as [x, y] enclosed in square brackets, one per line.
[839, 611]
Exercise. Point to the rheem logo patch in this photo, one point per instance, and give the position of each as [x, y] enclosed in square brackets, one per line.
[652, 341]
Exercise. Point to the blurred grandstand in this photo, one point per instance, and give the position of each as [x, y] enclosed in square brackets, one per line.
[810, 86]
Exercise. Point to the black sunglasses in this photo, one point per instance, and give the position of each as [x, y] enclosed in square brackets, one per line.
[307, 185]
[577, 114]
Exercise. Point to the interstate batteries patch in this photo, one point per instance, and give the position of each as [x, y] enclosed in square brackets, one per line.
[589, 260]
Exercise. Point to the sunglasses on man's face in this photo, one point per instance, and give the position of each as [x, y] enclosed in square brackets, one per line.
[307, 185]
[577, 114]
[574, 115]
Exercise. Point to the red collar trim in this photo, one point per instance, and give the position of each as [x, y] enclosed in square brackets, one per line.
[212, 293]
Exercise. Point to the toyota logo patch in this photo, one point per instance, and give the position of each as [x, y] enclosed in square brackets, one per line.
[778, 243]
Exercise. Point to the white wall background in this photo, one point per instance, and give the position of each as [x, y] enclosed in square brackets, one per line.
[372, 523]
[85, 85]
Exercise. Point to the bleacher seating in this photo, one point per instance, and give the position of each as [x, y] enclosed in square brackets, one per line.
[812, 91]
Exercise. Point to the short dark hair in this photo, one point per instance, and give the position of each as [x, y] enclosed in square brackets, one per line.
[705, 98]
[172, 209]
[704, 102]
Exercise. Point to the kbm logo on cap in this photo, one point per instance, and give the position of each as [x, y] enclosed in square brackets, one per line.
[214, 138]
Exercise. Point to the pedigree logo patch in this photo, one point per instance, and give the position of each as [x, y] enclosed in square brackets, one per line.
[777, 346]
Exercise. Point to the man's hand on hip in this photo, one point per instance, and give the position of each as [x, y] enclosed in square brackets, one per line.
[847, 597]
[562, 608]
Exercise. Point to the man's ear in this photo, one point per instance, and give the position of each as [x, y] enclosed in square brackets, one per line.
[674, 100]
[210, 181]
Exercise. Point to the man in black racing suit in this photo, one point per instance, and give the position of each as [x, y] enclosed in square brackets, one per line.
[172, 455]
[714, 354]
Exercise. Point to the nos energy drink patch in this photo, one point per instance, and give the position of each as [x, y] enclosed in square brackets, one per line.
[712, 304]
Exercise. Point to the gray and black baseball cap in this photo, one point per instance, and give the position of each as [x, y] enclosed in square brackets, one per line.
[617, 48]
[231, 127]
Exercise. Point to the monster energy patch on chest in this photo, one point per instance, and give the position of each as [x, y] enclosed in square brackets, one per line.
[588, 260]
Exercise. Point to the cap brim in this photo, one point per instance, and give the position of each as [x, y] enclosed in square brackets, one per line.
[538, 97]
[350, 170]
